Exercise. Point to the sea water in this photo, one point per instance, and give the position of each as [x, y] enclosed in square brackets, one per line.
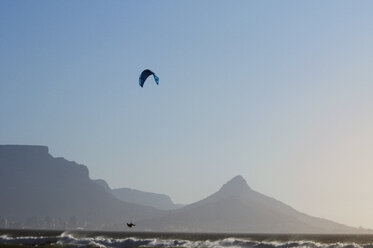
[149, 239]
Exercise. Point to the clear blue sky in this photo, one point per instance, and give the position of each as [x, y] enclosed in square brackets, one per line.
[280, 92]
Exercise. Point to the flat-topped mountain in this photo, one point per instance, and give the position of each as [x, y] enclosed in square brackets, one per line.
[238, 208]
[37, 189]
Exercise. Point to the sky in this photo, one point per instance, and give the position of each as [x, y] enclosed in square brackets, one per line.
[280, 92]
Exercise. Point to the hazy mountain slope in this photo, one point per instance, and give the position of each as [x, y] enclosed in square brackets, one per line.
[237, 208]
[34, 185]
[160, 201]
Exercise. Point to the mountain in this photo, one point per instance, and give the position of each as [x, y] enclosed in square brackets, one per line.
[160, 201]
[238, 208]
[38, 190]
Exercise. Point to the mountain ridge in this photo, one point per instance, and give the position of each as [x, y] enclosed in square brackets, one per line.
[41, 191]
[151, 199]
[157, 200]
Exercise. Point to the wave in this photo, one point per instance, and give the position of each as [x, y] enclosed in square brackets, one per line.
[70, 240]
[27, 240]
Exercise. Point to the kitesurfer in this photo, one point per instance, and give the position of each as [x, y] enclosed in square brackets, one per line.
[130, 225]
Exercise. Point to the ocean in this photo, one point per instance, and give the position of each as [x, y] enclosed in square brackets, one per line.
[40, 238]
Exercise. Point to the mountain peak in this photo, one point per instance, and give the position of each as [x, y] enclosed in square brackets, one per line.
[237, 179]
[236, 185]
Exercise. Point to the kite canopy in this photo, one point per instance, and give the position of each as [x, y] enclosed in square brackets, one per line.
[145, 74]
